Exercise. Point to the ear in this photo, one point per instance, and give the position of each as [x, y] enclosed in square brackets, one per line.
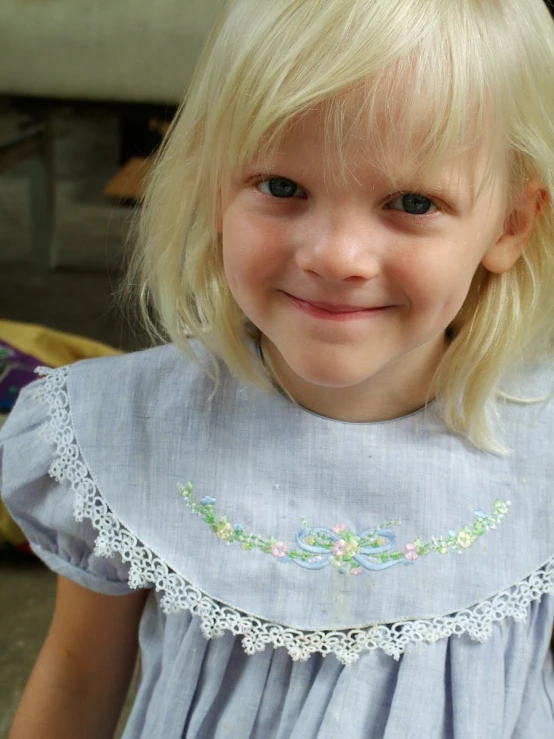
[518, 228]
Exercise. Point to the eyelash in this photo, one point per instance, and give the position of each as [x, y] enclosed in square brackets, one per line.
[401, 195]
[392, 199]
[278, 178]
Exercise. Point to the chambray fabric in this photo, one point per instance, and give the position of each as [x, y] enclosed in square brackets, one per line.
[138, 426]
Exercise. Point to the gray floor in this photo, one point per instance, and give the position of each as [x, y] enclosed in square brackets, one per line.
[77, 297]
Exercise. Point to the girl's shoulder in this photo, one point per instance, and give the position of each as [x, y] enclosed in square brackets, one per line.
[134, 387]
[144, 369]
[532, 382]
[524, 412]
[71, 422]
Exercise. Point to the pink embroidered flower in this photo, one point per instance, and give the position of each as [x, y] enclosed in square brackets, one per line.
[338, 528]
[338, 548]
[410, 552]
[279, 550]
[356, 571]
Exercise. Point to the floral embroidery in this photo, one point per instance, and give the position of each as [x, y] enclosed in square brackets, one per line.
[348, 552]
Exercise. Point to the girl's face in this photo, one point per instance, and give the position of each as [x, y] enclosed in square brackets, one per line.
[352, 284]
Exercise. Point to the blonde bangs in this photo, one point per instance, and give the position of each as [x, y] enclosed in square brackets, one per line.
[416, 93]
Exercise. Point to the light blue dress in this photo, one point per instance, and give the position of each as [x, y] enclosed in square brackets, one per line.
[309, 577]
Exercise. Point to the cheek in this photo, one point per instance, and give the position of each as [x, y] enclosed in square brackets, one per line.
[253, 248]
[437, 280]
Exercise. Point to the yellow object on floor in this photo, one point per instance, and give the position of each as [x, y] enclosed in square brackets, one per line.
[53, 349]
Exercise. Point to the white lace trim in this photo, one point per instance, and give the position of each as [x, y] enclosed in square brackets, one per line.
[146, 568]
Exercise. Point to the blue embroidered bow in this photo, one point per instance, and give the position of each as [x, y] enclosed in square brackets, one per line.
[346, 551]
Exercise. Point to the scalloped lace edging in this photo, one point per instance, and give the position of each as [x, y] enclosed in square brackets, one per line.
[146, 568]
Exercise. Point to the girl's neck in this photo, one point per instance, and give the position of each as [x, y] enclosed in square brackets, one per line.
[383, 397]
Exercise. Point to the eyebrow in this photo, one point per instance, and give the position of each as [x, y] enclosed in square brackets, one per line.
[450, 184]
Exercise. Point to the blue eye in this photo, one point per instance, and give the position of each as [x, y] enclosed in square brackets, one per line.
[281, 187]
[413, 203]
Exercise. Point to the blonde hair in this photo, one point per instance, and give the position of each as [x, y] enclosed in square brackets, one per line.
[268, 62]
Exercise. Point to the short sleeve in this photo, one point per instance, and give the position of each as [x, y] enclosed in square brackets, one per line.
[44, 507]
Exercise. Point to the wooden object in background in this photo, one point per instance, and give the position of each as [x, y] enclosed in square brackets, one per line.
[128, 183]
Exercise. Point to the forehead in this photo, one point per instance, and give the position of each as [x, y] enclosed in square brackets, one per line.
[362, 131]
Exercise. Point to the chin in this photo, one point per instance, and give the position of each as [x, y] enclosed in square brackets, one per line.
[331, 374]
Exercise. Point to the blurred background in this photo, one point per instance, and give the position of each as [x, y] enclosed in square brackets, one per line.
[86, 91]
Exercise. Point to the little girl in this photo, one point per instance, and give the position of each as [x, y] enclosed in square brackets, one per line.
[325, 506]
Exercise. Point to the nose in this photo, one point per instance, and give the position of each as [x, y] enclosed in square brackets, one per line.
[342, 245]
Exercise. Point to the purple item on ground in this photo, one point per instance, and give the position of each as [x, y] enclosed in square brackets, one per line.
[16, 370]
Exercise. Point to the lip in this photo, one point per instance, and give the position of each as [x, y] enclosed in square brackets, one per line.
[334, 311]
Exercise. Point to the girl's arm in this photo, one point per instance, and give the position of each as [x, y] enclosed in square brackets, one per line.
[80, 679]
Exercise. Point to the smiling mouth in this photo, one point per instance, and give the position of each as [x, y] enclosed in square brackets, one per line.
[334, 312]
